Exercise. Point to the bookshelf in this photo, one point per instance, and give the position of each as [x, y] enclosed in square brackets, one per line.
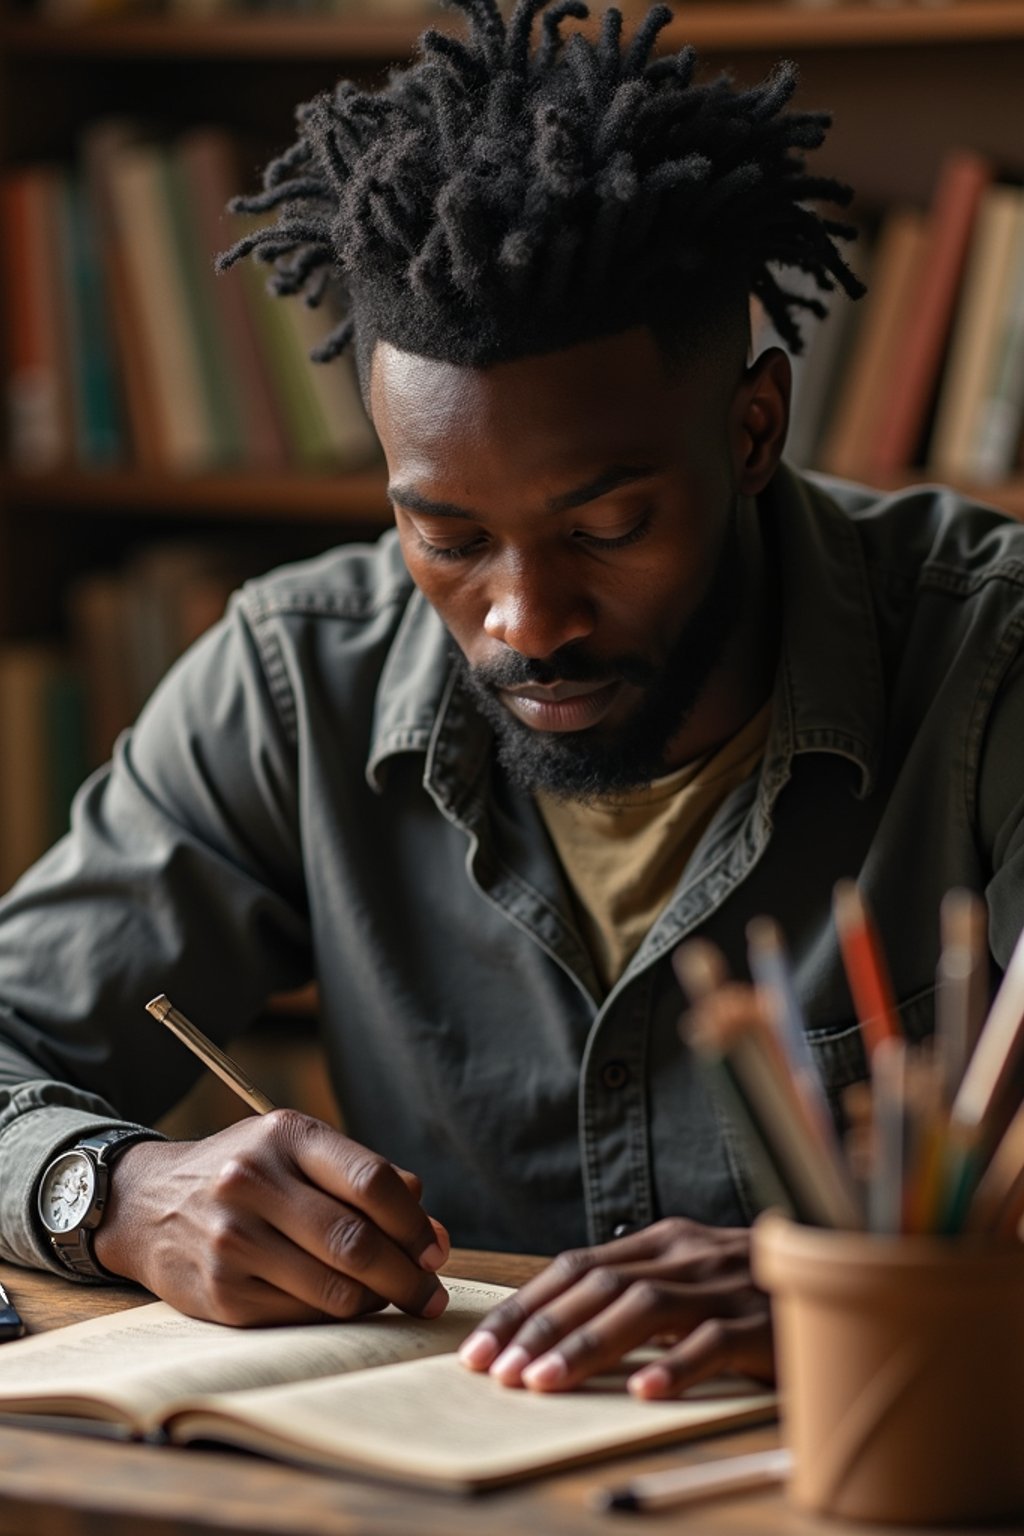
[907, 82]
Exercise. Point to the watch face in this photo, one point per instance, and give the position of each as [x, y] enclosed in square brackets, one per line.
[66, 1196]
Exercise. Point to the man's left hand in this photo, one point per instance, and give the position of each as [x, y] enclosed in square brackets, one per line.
[677, 1284]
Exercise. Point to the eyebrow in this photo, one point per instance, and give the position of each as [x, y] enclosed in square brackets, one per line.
[609, 480]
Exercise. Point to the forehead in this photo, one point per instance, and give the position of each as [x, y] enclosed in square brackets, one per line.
[611, 399]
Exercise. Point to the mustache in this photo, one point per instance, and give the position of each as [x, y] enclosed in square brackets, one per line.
[565, 666]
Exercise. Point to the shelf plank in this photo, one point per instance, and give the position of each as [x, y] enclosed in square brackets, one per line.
[344, 499]
[734, 28]
[347, 500]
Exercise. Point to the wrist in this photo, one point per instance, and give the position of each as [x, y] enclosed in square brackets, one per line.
[118, 1242]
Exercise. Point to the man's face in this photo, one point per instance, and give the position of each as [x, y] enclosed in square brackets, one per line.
[572, 518]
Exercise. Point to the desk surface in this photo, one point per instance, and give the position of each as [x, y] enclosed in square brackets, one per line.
[70, 1485]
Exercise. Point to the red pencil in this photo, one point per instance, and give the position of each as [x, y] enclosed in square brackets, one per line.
[866, 970]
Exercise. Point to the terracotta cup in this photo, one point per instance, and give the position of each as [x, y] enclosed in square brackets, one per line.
[901, 1368]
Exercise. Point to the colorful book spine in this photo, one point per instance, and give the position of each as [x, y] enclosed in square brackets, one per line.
[977, 337]
[907, 396]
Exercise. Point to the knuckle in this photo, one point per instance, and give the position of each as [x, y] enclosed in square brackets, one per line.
[604, 1284]
[584, 1344]
[573, 1264]
[235, 1176]
[370, 1178]
[506, 1317]
[224, 1239]
[339, 1297]
[287, 1125]
[651, 1297]
[352, 1244]
[539, 1332]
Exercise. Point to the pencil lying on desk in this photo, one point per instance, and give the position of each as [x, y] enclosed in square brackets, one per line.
[685, 1485]
[209, 1054]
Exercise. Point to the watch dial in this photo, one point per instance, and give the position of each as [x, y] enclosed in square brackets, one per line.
[68, 1191]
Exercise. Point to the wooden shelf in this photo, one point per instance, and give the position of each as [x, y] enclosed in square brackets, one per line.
[345, 499]
[714, 28]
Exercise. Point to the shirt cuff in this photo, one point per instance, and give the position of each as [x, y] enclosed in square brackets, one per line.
[28, 1145]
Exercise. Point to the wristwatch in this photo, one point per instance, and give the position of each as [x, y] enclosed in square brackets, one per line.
[73, 1195]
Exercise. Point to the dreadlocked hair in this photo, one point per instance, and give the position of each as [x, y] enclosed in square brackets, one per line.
[506, 194]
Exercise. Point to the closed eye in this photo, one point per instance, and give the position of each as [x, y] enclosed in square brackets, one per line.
[615, 541]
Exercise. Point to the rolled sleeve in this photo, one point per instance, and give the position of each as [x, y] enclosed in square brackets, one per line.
[181, 873]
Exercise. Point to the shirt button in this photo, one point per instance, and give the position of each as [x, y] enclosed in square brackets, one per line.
[615, 1075]
[623, 1229]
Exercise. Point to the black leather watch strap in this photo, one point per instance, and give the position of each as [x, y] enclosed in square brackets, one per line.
[74, 1248]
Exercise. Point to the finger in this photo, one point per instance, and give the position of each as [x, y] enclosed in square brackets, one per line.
[362, 1179]
[344, 1242]
[646, 1308]
[444, 1242]
[252, 1275]
[709, 1286]
[497, 1329]
[717, 1345]
[412, 1181]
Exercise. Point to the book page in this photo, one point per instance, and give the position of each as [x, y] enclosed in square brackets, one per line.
[131, 1366]
[434, 1421]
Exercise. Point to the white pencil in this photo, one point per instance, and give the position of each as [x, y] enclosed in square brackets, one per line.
[685, 1485]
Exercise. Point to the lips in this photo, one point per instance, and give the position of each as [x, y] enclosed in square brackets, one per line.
[561, 706]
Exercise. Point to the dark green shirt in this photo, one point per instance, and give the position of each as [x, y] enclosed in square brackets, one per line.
[309, 793]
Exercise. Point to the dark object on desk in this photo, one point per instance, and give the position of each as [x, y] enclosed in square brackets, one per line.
[11, 1325]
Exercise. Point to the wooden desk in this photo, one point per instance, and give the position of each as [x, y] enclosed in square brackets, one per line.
[70, 1485]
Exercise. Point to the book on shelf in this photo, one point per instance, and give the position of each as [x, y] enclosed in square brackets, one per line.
[1000, 418]
[38, 388]
[978, 334]
[129, 626]
[874, 356]
[41, 752]
[383, 1395]
[98, 429]
[207, 164]
[907, 397]
[127, 347]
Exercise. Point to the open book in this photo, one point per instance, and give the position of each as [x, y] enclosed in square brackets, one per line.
[384, 1394]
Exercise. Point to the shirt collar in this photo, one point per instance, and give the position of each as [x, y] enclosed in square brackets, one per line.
[829, 692]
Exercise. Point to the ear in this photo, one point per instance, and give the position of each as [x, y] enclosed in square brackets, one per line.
[760, 419]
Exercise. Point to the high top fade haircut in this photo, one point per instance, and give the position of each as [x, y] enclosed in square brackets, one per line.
[508, 194]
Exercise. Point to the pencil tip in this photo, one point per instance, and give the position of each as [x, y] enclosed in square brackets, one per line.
[606, 1499]
[159, 1006]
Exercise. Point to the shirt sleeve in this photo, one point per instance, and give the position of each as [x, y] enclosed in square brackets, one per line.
[182, 873]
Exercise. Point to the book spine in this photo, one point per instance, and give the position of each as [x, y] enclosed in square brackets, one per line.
[896, 270]
[906, 398]
[145, 233]
[203, 320]
[997, 429]
[976, 341]
[207, 165]
[38, 404]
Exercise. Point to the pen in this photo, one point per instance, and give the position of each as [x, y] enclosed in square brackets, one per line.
[209, 1054]
[11, 1325]
[685, 1485]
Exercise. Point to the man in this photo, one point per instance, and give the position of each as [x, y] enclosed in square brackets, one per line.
[619, 677]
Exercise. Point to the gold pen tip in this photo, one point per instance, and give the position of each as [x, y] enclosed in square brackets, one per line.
[159, 1006]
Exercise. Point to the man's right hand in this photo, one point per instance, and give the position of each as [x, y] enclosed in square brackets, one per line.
[277, 1219]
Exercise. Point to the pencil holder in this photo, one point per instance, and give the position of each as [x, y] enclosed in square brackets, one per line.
[901, 1369]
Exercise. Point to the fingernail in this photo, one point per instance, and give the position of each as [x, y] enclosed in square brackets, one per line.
[549, 1371]
[432, 1257]
[652, 1381]
[479, 1350]
[437, 1303]
[509, 1365]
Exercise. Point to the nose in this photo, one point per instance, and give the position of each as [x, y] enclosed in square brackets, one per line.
[534, 607]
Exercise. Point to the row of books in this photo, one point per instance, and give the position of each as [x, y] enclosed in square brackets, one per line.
[928, 370]
[62, 706]
[123, 345]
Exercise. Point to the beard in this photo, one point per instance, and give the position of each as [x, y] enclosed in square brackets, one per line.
[591, 764]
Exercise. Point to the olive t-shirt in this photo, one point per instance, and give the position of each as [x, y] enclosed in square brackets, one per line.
[623, 856]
